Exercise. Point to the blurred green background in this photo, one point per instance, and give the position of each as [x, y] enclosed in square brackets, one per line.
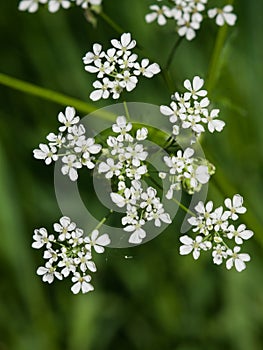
[156, 299]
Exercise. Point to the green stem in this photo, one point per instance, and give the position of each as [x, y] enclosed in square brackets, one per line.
[52, 95]
[173, 51]
[103, 220]
[174, 199]
[214, 70]
[111, 23]
[126, 110]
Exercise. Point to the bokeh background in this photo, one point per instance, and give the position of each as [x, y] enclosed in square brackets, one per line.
[156, 298]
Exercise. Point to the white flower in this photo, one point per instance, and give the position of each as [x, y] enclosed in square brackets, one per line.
[136, 173]
[46, 153]
[138, 233]
[201, 174]
[116, 90]
[52, 255]
[237, 259]
[97, 54]
[76, 133]
[30, 5]
[219, 253]
[119, 66]
[149, 199]
[127, 61]
[205, 210]
[220, 219]
[145, 69]
[212, 123]
[97, 242]
[124, 45]
[223, 15]
[56, 140]
[100, 67]
[71, 164]
[141, 134]
[159, 13]
[235, 206]
[122, 127]
[194, 88]
[110, 168]
[81, 283]
[48, 273]
[84, 261]
[54, 5]
[87, 147]
[171, 111]
[76, 237]
[85, 3]
[64, 228]
[127, 80]
[136, 154]
[159, 215]
[187, 26]
[239, 234]
[67, 265]
[119, 200]
[131, 215]
[41, 238]
[190, 245]
[102, 89]
[68, 119]
[193, 123]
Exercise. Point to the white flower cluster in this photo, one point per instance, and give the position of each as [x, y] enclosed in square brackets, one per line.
[190, 110]
[124, 165]
[70, 254]
[78, 151]
[186, 171]
[117, 69]
[54, 5]
[213, 228]
[188, 15]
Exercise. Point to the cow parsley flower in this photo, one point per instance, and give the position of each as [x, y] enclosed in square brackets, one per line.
[237, 259]
[195, 246]
[97, 242]
[190, 110]
[186, 171]
[159, 13]
[86, 3]
[45, 152]
[76, 150]
[212, 225]
[81, 283]
[30, 5]
[69, 254]
[223, 15]
[117, 69]
[239, 234]
[48, 273]
[42, 238]
[54, 5]
[188, 15]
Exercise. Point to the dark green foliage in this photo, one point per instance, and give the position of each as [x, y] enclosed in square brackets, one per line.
[155, 299]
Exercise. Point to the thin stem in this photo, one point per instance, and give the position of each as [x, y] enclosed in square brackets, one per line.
[174, 199]
[214, 68]
[183, 207]
[126, 110]
[173, 51]
[111, 23]
[52, 95]
[103, 220]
